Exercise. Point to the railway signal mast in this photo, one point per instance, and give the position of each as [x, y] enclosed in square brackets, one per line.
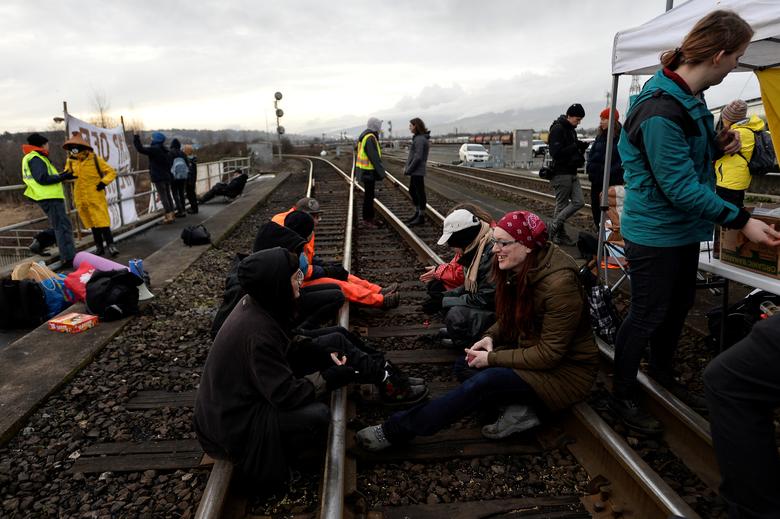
[279, 114]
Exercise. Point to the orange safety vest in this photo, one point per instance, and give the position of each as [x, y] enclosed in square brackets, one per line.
[362, 161]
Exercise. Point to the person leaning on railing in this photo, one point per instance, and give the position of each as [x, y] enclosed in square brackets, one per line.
[44, 187]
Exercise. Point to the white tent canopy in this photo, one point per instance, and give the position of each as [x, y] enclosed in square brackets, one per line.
[637, 50]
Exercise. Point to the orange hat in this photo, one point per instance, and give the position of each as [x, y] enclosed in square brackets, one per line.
[605, 114]
[76, 140]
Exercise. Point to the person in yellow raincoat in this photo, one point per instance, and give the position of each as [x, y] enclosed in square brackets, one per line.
[731, 170]
[92, 175]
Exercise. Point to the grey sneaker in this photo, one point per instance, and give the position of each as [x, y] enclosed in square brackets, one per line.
[372, 438]
[514, 419]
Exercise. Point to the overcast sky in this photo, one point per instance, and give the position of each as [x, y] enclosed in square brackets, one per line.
[216, 64]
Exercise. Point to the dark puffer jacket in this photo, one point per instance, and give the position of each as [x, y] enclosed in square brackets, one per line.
[418, 155]
[160, 160]
[566, 150]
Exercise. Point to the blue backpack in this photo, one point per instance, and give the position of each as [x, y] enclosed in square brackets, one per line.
[180, 169]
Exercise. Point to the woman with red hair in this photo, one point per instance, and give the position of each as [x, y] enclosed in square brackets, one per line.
[540, 354]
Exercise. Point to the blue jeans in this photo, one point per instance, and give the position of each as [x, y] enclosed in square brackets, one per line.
[663, 288]
[488, 387]
[63, 230]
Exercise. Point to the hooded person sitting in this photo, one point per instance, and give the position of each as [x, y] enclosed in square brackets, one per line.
[251, 408]
[470, 308]
[229, 189]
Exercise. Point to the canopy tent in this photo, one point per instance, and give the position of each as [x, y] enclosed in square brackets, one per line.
[637, 51]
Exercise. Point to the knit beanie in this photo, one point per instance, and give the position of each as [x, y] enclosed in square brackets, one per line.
[575, 110]
[158, 138]
[525, 227]
[36, 139]
[175, 144]
[734, 111]
[605, 114]
[301, 222]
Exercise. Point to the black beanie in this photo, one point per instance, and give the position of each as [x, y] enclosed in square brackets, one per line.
[36, 139]
[463, 238]
[300, 222]
[575, 110]
[175, 144]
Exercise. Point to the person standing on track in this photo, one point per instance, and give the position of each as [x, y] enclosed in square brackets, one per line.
[568, 155]
[668, 147]
[92, 175]
[540, 354]
[415, 169]
[368, 162]
[596, 159]
[44, 187]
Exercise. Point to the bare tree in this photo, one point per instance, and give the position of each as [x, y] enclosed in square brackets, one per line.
[102, 106]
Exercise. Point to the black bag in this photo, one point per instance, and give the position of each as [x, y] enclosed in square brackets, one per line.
[113, 294]
[22, 304]
[763, 159]
[195, 235]
[740, 318]
[546, 173]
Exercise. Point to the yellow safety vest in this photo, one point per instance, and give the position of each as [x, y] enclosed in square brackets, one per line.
[362, 160]
[35, 190]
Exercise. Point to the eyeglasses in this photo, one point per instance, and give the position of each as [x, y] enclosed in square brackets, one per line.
[299, 276]
[501, 244]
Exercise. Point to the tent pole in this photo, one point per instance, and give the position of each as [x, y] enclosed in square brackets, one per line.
[605, 184]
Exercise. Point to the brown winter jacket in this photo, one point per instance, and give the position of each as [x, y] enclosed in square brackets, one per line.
[561, 361]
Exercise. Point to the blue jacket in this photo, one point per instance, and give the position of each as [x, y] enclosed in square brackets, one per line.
[668, 148]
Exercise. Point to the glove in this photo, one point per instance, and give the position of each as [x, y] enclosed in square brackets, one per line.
[338, 376]
[101, 186]
[67, 176]
[336, 272]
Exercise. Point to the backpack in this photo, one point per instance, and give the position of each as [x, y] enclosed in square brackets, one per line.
[195, 235]
[22, 304]
[113, 294]
[763, 159]
[179, 169]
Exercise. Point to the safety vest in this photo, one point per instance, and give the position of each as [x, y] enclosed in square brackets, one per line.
[362, 160]
[35, 190]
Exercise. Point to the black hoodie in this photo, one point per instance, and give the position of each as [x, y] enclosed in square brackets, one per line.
[247, 379]
[567, 152]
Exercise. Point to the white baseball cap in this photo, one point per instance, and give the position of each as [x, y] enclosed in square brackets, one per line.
[458, 220]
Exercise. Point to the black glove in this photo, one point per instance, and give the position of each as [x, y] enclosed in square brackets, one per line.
[338, 376]
[336, 272]
[101, 186]
[67, 176]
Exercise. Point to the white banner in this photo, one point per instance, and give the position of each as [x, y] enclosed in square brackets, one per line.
[110, 144]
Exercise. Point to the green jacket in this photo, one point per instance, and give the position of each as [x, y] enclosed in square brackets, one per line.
[668, 149]
[560, 360]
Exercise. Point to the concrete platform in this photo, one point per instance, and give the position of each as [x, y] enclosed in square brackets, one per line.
[39, 363]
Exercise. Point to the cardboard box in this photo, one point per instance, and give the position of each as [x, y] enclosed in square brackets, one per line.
[73, 323]
[737, 250]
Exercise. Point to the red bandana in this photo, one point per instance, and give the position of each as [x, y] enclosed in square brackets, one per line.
[525, 227]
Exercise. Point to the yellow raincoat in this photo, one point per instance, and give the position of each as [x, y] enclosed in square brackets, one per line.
[90, 203]
[732, 171]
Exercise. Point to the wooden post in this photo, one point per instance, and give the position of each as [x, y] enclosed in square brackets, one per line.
[68, 188]
[119, 180]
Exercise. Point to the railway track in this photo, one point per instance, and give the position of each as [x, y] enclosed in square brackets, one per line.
[597, 472]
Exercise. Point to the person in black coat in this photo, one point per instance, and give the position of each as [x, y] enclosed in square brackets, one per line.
[251, 409]
[568, 155]
[415, 168]
[192, 179]
[596, 159]
[229, 189]
[159, 170]
[179, 185]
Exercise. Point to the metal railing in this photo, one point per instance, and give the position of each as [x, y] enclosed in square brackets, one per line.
[15, 238]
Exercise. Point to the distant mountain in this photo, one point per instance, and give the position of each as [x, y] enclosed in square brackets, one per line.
[538, 119]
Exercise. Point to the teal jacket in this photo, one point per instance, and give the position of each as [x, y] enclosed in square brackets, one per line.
[670, 186]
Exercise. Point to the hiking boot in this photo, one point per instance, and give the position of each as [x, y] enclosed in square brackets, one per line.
[634, 417]
[36, 248]
[397, 388]
[99, 250]
[413, 217]
[668, 381]
[389, 289]
[419, 220]
[373, 438]
[180, 214]
[112, 250]
[391, 300]
[192, 211]
[513, 419]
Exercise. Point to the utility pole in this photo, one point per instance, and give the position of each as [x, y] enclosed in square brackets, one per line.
[279, 127]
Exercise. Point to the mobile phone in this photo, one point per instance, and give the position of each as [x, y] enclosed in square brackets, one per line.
[769, 308]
